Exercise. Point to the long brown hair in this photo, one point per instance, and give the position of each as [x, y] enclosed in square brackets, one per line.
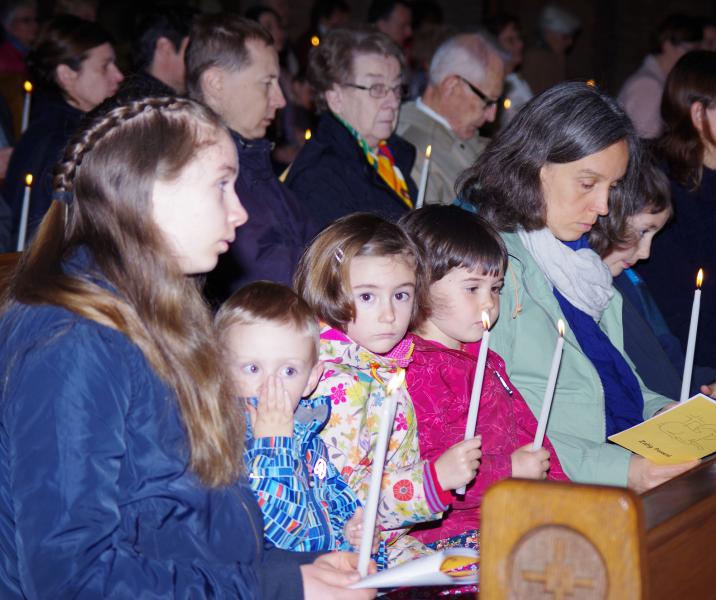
[109, 169]
[693, 79]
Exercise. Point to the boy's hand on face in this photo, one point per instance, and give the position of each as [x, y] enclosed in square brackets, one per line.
[273, 416]
[353, 531]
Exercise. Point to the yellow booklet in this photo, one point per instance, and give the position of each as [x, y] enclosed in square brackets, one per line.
[682, 433]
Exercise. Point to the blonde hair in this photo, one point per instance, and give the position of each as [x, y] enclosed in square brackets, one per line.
[323, 273]
[269, 302]
[109, 169]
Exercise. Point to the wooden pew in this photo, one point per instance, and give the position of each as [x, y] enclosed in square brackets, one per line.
[559, 541]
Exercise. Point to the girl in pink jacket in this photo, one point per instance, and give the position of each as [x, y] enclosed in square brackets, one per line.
[362, 276]
[466, 262]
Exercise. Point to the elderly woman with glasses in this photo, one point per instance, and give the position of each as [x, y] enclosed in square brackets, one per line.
[354, 161]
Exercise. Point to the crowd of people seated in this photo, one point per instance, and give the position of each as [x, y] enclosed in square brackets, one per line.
[212, 311]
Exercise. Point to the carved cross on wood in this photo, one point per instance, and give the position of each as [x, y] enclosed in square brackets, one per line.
[557, 577]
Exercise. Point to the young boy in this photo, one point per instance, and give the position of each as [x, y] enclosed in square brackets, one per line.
[272, 338]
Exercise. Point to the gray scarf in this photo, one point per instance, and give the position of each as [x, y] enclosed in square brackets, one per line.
[580, 276]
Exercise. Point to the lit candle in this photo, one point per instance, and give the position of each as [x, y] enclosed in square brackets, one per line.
[307, 135]
[507, 104]
[549, 392]
[691, 343]
[424, 177]
[26, 106]
[22, 231]
[477, 385]
[376, 476]
[315, 40]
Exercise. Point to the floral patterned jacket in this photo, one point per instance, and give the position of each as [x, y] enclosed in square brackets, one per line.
[356, 380]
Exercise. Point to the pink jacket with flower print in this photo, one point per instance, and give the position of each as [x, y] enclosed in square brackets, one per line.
[440, 382]
[356, 380]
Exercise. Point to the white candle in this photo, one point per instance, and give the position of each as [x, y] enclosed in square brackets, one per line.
[549, 392]
[477, 385]
[376, 476]
[424, 177]
[691, 342]
[26, 106]
[22, 230]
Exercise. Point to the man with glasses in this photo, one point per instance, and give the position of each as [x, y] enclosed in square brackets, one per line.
[640, 95]
[465, 83]
[354, 162]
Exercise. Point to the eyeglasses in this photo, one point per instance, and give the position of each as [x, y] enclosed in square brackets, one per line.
[380, 90]
[489, 102]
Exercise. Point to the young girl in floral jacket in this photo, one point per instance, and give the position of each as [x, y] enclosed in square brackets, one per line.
[362, 276]
[466, 260]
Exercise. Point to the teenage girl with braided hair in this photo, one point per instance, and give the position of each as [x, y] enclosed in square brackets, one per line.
[120, 444]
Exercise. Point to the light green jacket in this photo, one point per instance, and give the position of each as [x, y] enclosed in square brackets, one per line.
[525, 336]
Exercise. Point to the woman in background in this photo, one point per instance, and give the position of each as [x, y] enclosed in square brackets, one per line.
[73, 68]
[687, 150]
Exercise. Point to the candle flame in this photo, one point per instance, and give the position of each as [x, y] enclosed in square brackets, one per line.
[485, 320]
[560, 327]
[27, 86]
[507, 104]
[591, 83]
[428, 151]
[700, 278]
[307, 135]
[396, 382]
[315, 40]
[28, 179]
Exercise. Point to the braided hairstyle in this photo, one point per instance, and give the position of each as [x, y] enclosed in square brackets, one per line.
[109, 170]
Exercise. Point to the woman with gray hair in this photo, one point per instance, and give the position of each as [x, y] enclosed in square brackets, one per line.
[354, 162]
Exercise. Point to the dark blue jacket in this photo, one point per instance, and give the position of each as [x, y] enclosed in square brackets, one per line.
[685, 245]
[96, 499]
[332, 177]
[272, 241]
[37, 152]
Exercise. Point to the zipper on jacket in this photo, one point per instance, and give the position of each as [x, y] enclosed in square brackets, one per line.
[259, 539]
[312, 489]
[502, 381]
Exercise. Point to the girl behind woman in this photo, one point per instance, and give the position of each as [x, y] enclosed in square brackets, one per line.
[120, 444]
[688, 151]
[656, 353]
[466, 261]
[364, 278]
